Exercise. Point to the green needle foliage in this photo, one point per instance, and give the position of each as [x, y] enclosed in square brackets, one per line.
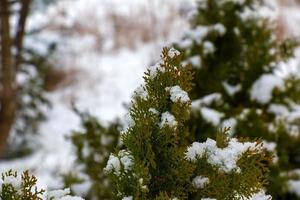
[14, 186]
[157, 161]
[235, 52]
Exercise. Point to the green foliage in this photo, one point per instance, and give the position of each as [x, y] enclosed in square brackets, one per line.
[14, 186]
[93, 145]
[157, 163]
[237, 42]
[231, 48]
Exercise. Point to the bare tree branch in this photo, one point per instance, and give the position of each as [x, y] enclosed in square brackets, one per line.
[18, 40]
[8, 94]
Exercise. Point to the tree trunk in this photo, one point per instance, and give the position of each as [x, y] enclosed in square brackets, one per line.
[8, 74]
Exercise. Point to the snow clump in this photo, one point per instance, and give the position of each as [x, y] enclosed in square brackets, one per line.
[177, 94]
[223, 158]
[168, 119]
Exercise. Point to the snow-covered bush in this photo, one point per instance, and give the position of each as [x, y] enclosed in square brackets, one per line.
[159, 163]
[93, 145]
[15, 186]
[234, 51]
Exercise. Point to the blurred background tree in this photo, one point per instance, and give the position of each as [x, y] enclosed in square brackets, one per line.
[76, 54]
[235, 54]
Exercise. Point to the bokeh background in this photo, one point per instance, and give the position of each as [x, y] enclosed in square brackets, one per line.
[92, 54]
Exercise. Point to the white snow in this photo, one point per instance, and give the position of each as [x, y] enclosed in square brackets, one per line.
[58, 193]
[200, 181]
[127, 198]
[195, 61]
[220, 28]
[278, 110]
[113, 164]
[290, 17]
[185, 43]
[206, 100]
[262, 89]
[231, 89]
[271, 147]
[178, 95]
[128, 121]
[223, 158]
[172, 53]
[62, 195]
[199, 33]
[239, 2]
[154, 111]
[211, 116]
[248, 13]
[141, 92]
[260, 196]
[208, 47]
[68, 197]
[14, 181]
[294, 113]
[126, 159]
[167, 119]
[154, 69]
[229, 123]
[294, 186]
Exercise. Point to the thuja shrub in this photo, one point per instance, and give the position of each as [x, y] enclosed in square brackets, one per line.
[15, 186]
[235, 53]
[158, 162]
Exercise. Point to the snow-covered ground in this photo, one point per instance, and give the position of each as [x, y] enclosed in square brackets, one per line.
[109, 44]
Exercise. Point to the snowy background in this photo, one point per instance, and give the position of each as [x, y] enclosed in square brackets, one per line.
[106, 47]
